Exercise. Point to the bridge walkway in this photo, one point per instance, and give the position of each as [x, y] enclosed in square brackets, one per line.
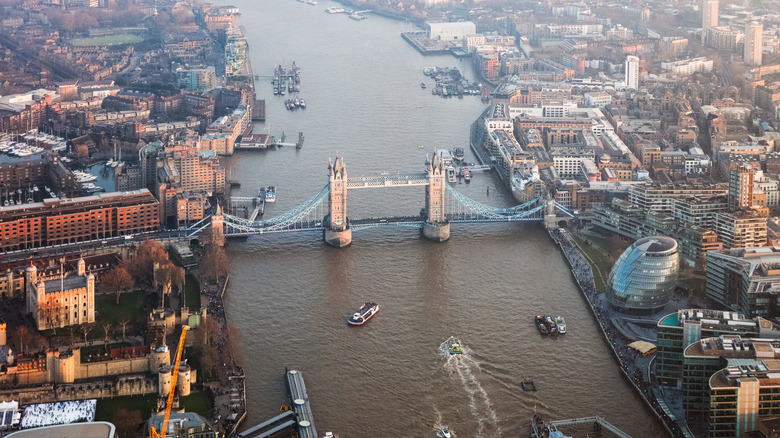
[591, 420]
[270, 427]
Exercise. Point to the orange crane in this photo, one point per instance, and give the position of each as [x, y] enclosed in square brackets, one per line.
[169, 403]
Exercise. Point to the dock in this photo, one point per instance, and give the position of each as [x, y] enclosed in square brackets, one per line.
[254, 142]
[242, 202]
[542, 428]
[301, 404]
[258, 110]
[295, 420]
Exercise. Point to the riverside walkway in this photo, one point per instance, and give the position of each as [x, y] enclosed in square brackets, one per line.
[634, 367]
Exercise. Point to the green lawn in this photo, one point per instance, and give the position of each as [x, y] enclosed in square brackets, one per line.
[86, 351]
[130, 307]
[599, 261]
[106, 408]
[191, 292]
[198, 402]
[109, 40]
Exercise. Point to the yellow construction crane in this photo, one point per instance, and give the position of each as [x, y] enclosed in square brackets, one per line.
[174, 377]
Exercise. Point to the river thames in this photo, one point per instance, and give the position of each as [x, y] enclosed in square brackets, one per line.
[290, 294]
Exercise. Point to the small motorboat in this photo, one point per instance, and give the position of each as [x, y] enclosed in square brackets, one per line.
[453, 345]
[445, 433]
[560, 324]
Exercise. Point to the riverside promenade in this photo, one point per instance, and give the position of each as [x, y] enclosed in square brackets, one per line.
[634, 366]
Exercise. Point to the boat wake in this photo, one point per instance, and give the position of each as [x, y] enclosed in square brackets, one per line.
[440, 427]
[466, 368]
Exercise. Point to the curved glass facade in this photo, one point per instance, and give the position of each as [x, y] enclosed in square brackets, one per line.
[644, 276]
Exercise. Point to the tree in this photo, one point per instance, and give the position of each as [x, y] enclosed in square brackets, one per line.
[166, 275]
[25, 338]
[208, 328]
[233, 343]
[124, 323]
[148, 253]
[106, 331]
[117, 280]
[86, 329]
[216, 261]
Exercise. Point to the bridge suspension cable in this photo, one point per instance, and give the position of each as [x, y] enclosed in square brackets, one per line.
[466, 208]
[307, 215]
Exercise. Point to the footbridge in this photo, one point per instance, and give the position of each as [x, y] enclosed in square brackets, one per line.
[326, 210]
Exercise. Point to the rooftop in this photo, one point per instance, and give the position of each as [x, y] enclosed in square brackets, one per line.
[97, 429]
[656, 244]
[67, 283]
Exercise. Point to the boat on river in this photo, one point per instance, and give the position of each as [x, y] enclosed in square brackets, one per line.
[363, 314]
[560, 324]
[546, 325]
[451, 176]
[458, 154]
[453, 345]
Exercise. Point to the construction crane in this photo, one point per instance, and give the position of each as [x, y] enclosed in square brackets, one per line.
[153, 433]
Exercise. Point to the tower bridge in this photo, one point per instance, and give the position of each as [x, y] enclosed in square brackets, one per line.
[326, 210]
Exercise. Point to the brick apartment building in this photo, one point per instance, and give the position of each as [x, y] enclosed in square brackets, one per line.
[59, 221]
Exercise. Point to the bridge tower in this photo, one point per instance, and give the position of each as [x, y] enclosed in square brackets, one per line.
[217, 228]
[337, 230]
[436, 226]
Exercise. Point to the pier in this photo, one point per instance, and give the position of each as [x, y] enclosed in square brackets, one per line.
[258, 111]
[257, 142]
[543, 428]
[301, 404]
[241, 203]
[297, 419]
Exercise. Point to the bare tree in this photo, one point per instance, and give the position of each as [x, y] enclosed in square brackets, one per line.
[209, 327]
[86, 329]
[106, 330]
[148, 253]
[233, 343]
[117, 280]
[216, 261]
[166, 276]
[124, 323]
[25, 338]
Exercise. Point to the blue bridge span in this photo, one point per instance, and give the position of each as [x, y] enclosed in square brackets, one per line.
[326, 210]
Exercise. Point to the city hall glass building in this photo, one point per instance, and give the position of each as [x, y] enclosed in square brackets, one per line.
[644, 276]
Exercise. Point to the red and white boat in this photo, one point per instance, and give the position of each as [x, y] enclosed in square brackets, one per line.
[363, 314]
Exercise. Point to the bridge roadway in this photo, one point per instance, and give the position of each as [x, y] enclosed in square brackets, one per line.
[365, 182]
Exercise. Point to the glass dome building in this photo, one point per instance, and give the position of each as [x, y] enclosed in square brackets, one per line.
[645, 275]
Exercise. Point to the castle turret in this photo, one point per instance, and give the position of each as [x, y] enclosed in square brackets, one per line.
[81, 267]
[66, 367]
[160, 357]
[183, 381]
[31, 274]
[164, 377]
